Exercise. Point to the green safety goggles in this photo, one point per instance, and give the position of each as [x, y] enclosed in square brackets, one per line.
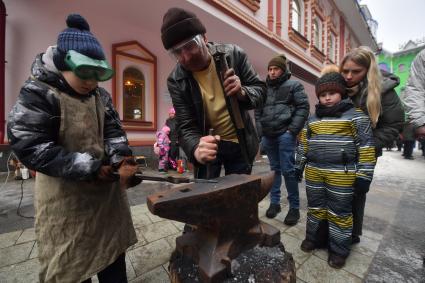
[87, 68]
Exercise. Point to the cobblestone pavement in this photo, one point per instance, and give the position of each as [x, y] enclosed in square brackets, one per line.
[391, 249]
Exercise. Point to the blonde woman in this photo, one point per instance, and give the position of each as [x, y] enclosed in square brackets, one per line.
[373, 91]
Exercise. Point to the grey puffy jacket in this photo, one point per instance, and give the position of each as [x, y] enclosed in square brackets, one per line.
[414, 93]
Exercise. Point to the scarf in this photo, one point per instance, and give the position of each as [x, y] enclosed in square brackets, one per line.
[333, 111]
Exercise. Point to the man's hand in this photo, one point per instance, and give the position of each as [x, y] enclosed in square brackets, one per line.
[207, 149]
[232, 84]
[420, 132]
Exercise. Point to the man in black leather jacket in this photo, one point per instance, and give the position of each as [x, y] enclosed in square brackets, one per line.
[212, 88]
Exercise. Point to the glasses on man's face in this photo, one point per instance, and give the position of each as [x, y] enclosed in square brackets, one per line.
[191, 45]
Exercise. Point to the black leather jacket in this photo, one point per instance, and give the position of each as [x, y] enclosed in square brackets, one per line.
[34, 123]
[187, 101]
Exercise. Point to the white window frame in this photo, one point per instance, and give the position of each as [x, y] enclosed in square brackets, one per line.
[317, 33]
[297, 15]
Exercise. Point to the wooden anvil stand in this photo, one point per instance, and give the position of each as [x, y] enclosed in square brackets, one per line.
[226, 218]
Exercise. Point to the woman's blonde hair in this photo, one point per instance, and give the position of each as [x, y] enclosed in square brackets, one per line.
[364, 57]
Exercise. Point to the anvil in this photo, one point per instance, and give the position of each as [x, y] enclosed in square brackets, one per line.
[226, 218]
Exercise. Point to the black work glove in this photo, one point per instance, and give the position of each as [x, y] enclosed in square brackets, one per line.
[298, 174]
[361, 185]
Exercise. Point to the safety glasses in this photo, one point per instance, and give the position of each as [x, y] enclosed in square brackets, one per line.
[87, 68]
[190, 46]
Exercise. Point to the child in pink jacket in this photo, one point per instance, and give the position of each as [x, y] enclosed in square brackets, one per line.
[163, 142]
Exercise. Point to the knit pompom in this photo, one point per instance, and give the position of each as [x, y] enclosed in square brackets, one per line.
[78, 22]
[329, 69]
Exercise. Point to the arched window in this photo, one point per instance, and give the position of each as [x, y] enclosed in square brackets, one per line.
[134, 94]
[317, 34]
[296, 15]
[134, 86]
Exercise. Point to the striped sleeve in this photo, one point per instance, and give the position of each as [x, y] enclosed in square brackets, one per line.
[365, 144]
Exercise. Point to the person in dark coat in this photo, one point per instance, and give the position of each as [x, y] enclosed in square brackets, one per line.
[278, 123]
[374, 93]
[211, 100]
[408, 140]
[173, 154]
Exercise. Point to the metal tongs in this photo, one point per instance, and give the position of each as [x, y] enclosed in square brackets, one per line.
[172, 179]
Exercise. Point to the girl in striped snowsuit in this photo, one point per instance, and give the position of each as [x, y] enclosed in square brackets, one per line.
[337, 150]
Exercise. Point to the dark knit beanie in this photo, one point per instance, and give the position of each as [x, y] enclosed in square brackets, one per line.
[333, 82]
[76, 37]
[278, 61]
[178, 25]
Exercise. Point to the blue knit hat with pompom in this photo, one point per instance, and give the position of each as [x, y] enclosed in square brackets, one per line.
[76, 37]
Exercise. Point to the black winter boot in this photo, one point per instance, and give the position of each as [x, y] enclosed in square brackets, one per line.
[292, 217]
[273, 210]
[308, 246]
[336, 261]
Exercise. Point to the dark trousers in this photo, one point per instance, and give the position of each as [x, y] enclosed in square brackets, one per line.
[230, 156]
[408, 148]
[423, 146]
[174, 151]
[113, 273]
[359, 201]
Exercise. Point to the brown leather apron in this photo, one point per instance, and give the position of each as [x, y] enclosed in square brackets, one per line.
[81, 227]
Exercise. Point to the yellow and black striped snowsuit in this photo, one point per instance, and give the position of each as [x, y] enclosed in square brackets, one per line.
[335, 151]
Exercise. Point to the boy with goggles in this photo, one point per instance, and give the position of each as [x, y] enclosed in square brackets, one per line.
[212, 88]
[65, 127]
